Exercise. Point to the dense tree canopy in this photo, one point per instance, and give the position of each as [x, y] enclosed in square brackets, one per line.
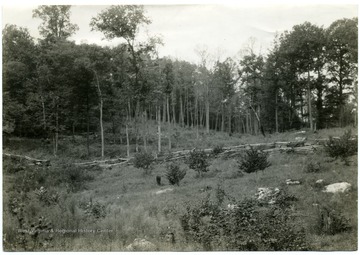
[55, 87]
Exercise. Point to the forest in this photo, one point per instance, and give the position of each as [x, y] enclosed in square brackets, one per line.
[119, 149]
[54, 87]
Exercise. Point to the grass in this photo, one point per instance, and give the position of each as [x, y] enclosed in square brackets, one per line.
[134, 210]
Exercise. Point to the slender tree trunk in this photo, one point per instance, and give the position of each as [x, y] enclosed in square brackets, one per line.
[159, 129]
[169, 122]
[137, 113]
[101, 115]
[217, 121]
[207, 109]
[127, 140]
[44, 113]
[56, 129]
[196, 117]
[309, 103]
[144, 130]
[181, 112]
[87, 125]
[222, 118]
[230, 113]
[164, 111]
[276, 113]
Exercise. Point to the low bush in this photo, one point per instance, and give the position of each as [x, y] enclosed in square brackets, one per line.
[143, 160]
[342, 148]
[174, 174]
[94, 209]
[254, 161]
[330, 222]
[217, 150]
[313, 167]
[198, 161]
[246, 226]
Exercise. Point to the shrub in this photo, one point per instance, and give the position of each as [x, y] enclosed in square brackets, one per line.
[143, 160]
[217, 150]
[95, 210]
[247, 226]
[174, 174]
[46, 197]
[198, 161]
[341, 148]
[74, 177]
[254, 161]
[313, 167]
[330, 222]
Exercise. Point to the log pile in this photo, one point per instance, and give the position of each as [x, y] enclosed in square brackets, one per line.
[32, 160]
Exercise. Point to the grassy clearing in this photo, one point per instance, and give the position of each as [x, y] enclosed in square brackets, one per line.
[132, 208]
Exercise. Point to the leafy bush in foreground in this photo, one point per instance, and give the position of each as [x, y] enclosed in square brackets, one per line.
[198, 161]
[254, 161]
[343, 147]
[143, 160]
[174, 174]
[246, 226]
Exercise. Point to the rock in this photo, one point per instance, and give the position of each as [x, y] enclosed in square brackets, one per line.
[141, 245]
[231, 206]
[291, 182]
[320, 181]
[339, 187]
[163, 191]
[267, 195]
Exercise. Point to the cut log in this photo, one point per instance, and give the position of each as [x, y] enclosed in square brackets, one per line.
[34, 160]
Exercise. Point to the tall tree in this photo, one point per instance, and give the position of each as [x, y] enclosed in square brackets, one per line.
[55, 21]
[341, 53]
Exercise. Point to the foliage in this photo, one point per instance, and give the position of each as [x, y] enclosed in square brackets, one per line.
[143, 160]
[174, 174]
[341, 148]
[247, 226]
[217, 150]
[330, 222]
[74, 177]
[313, 167]
[55, 21]
[254, 161]
[95, 209]
[198, 161]
[47, 197]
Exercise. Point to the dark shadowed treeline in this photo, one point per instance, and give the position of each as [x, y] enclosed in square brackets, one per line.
[53, 86]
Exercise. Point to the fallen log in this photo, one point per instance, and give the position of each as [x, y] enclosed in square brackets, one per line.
[109, 161]
[34, 160]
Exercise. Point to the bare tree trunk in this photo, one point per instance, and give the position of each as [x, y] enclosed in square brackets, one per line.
[87, 126]
[56, 141]
[222, 118]
[164, 112]
[144, 130]
[43, 112]
[137, 113]
[159, 129]
[101, 115]
[169, 122]
[230, 113]
[309, 103]
[181, 112]
[196, 117]
[127, 141]
[207, 109]
[276, 113]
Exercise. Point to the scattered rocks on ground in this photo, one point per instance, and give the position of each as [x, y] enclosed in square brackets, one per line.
[339, 187]
[140, 244]
[163, 191]
[267, 195]
[292, 182]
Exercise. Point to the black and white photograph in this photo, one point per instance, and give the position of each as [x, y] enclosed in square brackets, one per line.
[140, 126]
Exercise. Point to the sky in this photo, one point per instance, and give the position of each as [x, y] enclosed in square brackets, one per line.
[224, 28]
